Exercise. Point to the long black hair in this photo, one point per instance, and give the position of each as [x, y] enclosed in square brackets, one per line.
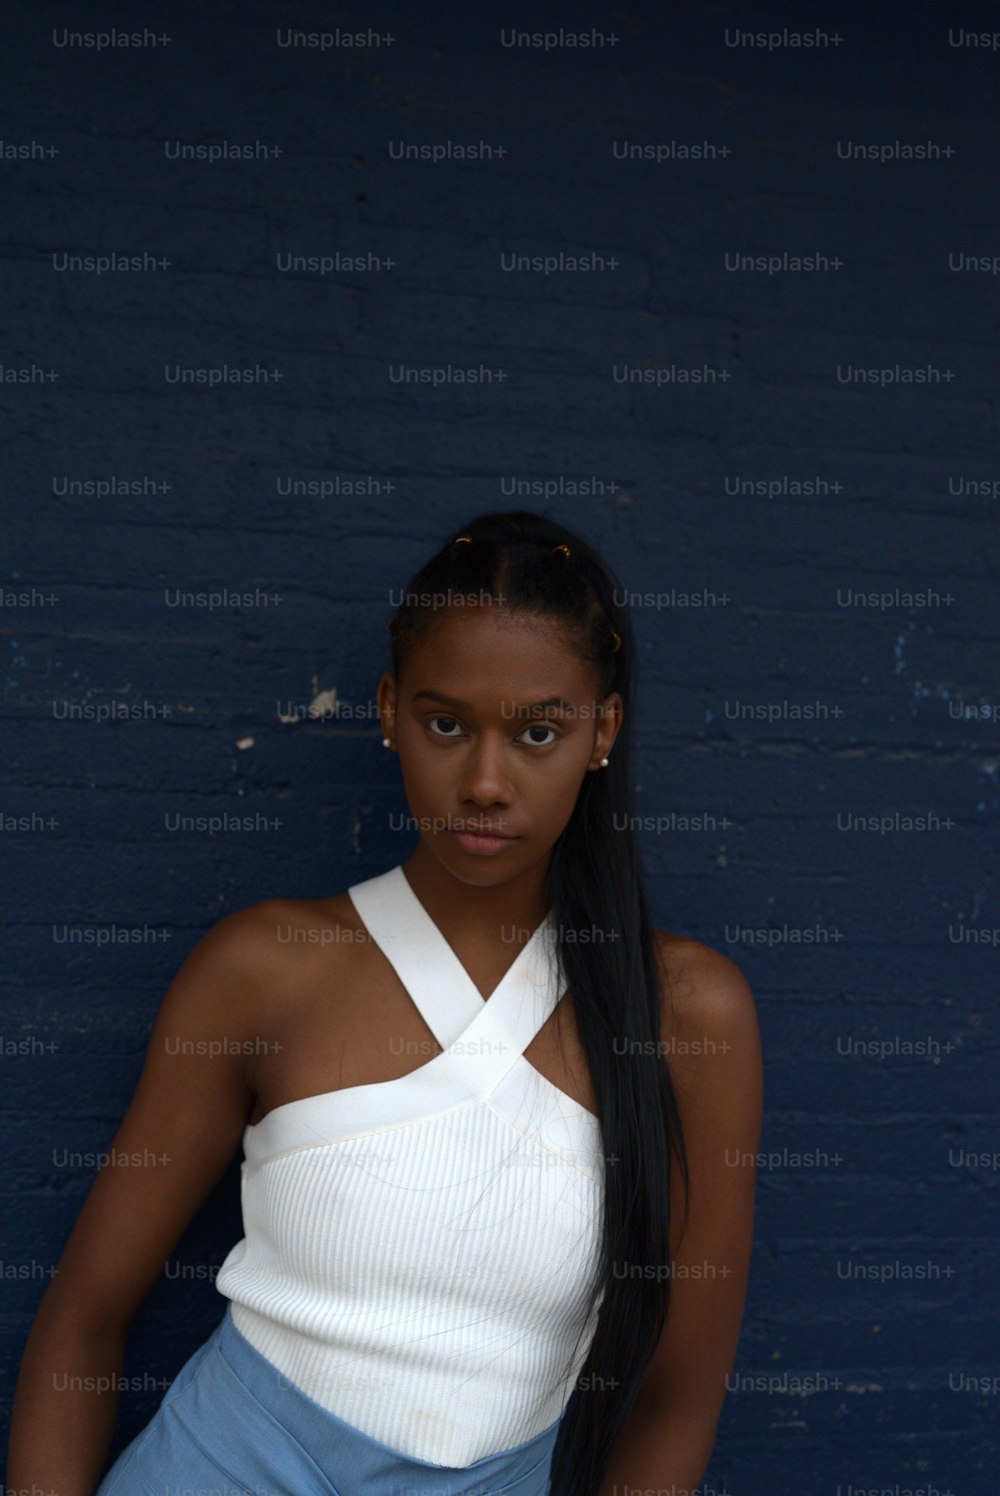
[526, 562]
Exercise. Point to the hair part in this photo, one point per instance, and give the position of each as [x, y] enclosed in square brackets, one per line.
[523, 562]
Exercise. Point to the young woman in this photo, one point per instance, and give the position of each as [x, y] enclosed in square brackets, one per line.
[488, 1116]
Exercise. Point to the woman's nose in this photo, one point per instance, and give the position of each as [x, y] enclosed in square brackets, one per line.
[484, 777]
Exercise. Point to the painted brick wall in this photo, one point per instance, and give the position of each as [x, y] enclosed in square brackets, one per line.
[760, 451]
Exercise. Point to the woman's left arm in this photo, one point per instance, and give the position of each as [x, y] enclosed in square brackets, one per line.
[712, 1045]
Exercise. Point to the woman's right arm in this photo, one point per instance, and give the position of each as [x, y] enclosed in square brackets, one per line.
[180, 1133]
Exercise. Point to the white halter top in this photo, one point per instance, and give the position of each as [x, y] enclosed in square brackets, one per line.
[419, 1253]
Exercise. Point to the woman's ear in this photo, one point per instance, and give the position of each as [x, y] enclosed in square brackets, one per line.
[611, 721]
[385, 696]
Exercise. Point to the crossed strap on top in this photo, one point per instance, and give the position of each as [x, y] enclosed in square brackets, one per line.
[486, 1036]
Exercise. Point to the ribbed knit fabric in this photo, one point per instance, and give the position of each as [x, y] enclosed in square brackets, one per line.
[419, 1253]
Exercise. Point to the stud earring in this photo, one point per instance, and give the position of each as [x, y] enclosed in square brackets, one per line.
[385, 742]
[604, 763]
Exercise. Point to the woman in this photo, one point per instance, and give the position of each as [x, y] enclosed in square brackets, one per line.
[487, 1113]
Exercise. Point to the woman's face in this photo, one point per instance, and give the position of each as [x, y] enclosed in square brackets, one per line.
[483, 743]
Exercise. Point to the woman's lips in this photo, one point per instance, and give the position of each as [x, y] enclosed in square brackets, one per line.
[483, 842]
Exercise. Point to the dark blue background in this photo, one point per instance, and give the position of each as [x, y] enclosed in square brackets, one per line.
[892, 513]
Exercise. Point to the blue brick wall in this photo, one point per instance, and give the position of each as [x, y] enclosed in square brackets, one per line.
[752, 504]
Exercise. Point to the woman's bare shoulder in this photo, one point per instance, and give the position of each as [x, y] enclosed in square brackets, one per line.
[280, 943]
[704, 990]
[271, 927]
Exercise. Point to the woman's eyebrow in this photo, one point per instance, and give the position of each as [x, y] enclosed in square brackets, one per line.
[555, 702]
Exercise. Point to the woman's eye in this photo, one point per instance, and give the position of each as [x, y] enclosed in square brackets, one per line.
[542, 727]
[536, 727]
[432, 720]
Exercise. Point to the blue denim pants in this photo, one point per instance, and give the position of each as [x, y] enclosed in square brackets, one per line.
[229, 1426]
